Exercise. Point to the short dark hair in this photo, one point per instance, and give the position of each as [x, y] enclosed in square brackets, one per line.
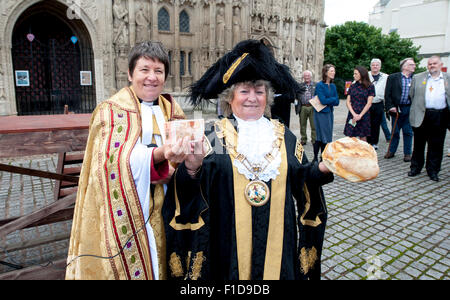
[150, 50]
[325, 71]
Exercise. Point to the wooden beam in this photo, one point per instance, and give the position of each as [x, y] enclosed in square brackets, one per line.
[35, 242]
[38, 173]
[47, 142]
[44, 212]
[20, 124]
[55, 271]
[60, 216]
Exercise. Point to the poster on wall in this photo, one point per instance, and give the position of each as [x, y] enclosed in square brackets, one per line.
[85, 77]
[22, 78]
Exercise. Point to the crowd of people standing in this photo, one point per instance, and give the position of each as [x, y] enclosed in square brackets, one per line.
[417, 105]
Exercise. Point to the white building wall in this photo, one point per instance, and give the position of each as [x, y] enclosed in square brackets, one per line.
[425, 22]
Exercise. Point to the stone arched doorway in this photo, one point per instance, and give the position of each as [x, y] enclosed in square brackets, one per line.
[53, 62]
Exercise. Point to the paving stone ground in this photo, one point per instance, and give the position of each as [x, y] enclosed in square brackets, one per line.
[393, 227]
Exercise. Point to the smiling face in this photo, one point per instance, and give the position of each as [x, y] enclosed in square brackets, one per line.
[249, 102]
[331, 73]
[147, 79]
[356, 75]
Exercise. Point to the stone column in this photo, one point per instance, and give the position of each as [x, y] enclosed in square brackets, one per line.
[176, 36]
[228, 25]
[154, 20]
[212, 32]
[132, 22]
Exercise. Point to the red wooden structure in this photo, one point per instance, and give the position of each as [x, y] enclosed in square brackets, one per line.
[44, 134]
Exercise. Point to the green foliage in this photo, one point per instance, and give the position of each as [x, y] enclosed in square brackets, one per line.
[356, 43]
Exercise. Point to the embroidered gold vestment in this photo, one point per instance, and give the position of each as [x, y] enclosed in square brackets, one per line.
[108, 238]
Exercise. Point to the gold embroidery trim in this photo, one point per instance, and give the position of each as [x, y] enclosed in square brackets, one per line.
[175, 265]
[299, 150]
[197, 266]
[233, 67]
[307, 259]
[275, 235]
[312, 223]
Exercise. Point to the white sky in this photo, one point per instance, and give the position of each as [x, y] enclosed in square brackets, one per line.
[338, 12]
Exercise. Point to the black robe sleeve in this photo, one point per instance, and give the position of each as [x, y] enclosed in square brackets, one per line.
[312, 210]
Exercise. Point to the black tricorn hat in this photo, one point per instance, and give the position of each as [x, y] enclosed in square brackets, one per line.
[250, 60]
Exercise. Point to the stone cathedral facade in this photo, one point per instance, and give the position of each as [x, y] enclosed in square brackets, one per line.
[74, 52]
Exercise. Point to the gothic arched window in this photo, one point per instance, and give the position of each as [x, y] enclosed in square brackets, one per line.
[184, 22]
[163, 20]
[182, 62]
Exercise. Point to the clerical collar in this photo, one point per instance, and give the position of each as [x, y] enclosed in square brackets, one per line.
[149, 103]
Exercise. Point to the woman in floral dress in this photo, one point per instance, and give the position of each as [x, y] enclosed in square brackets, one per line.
[359, 100]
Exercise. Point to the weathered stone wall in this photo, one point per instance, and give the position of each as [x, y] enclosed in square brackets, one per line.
[294, 27]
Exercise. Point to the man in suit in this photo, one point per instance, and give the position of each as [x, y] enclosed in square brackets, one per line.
[430, 102]
[397, 100]
[304, 108]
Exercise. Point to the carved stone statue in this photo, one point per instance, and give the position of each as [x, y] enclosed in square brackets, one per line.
[273, 25]
[236, 25]
[142, 24]
[120, 23]
[220, 28]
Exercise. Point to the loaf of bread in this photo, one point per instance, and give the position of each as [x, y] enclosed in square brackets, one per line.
[351, 159]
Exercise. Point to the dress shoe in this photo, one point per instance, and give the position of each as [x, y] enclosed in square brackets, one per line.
[389, 155]
[434, 177]
[407, 158]
[413, 173]
[303, 143]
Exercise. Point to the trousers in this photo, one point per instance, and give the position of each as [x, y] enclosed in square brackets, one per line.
[307, 113]
[432, 131]
[403, 125]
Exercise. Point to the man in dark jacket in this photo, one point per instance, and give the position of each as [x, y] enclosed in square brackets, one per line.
[304, 108]
[398, 102]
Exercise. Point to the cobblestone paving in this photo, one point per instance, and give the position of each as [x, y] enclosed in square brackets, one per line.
[393, 227]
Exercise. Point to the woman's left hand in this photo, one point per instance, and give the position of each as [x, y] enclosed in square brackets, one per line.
[323, 168]
[194, 159]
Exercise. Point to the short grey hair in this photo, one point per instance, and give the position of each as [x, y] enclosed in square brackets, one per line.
[308, 71]
[227, 95]
[375, 60]
[404, 61]
[435, 56]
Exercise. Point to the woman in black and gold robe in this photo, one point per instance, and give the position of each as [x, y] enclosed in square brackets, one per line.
[250, 206]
